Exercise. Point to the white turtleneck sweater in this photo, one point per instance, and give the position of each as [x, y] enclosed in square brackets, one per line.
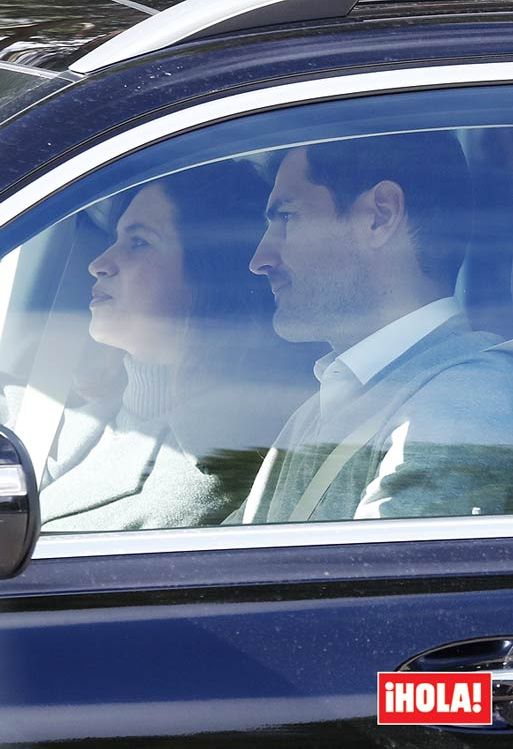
[120, 466]
[146, 399]
[147, 394]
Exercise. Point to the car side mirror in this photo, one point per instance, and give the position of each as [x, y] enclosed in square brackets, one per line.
[19, 505]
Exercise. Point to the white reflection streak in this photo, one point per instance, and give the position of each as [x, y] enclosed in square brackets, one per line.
[48, 722]
[48, 388]
[259, 484]
[369, 506]
[8, 266]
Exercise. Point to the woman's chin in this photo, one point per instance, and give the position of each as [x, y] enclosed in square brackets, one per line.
[102, 333]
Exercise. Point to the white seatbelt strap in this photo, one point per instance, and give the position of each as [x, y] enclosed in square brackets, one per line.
[332, 466]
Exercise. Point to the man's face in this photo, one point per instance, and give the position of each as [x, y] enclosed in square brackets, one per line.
[312, 258]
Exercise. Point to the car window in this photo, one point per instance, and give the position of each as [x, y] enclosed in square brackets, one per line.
[20, 87]
[294, 316]
[12, 82]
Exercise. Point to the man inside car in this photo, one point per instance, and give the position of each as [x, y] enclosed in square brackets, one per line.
[414, 413]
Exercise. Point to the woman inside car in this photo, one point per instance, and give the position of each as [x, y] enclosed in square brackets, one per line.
[173, 295]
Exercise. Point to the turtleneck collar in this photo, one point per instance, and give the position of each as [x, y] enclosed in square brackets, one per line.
[148, 392]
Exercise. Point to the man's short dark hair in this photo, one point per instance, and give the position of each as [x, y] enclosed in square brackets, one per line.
[431, 169]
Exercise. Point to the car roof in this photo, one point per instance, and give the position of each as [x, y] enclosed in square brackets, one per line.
[192, 19]
[53, 36]
[378, 34]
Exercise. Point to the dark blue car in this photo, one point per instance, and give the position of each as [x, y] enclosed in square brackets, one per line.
[255, 371]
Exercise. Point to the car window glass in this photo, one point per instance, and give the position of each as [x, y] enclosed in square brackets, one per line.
[21, 89]
[294, 316]
[13, 83]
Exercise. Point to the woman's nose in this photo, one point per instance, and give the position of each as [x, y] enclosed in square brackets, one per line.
[104, 265]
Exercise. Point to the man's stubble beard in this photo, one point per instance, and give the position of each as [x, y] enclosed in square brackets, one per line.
[314, 313]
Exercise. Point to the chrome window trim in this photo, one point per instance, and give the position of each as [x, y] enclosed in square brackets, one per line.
[137, 6]
[61, 546]
[35, 72]
[249, 103]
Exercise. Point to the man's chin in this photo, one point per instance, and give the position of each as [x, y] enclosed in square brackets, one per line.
[291, 329]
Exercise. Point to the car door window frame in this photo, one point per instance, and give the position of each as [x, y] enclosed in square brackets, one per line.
[278, 535]
[251, 102]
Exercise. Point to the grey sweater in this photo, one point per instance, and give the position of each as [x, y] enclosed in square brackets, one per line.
[443, 445]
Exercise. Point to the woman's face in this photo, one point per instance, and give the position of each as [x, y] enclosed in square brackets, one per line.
[140, 298]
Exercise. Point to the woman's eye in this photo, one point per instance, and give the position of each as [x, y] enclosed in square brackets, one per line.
[138, 243]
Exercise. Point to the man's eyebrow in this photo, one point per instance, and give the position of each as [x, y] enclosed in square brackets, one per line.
[276, 206]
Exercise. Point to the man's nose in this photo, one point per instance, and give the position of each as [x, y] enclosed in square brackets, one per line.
[267, 255]
[105, 264]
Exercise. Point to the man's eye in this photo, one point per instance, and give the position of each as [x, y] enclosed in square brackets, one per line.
[285, 216]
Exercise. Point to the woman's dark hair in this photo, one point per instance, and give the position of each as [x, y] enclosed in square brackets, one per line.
[220, 210]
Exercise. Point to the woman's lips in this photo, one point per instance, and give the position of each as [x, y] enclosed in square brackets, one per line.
[99, 297]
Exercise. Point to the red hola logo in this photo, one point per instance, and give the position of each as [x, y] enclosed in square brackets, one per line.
[441, 698]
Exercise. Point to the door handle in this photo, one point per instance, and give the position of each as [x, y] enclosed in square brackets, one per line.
[494, 654]
[504, 675]
[487, 654]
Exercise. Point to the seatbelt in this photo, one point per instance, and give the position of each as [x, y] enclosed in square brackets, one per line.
[342, 453]
[332, 466]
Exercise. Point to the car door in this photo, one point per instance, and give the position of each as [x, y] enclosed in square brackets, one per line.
[140, 632]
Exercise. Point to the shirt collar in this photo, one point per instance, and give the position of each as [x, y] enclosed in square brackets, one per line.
[369, 356]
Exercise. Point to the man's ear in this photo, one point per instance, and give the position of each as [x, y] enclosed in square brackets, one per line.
[383, 212]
